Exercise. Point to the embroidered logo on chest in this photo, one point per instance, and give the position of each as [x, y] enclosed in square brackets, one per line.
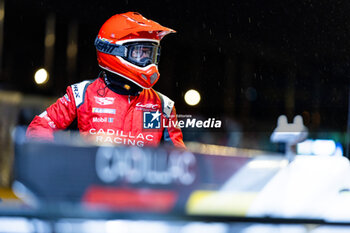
[104, 100]
[140, 106]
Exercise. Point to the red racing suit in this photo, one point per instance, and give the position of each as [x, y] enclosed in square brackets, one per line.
[107, 117]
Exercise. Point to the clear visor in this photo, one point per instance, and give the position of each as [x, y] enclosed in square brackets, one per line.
[143, 54]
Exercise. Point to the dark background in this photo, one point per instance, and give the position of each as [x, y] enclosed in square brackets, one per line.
[251, 60]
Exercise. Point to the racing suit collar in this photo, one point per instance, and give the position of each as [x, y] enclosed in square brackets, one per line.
[120, 85]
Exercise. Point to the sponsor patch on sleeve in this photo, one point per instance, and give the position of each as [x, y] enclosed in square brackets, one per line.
[48, 119]
[78, 90]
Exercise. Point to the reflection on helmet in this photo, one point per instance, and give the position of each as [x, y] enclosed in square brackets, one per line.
[128, 45]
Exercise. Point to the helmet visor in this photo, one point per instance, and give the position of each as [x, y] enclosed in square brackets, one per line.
[143, 54]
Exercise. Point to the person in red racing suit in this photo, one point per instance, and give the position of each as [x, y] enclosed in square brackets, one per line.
[119, 107]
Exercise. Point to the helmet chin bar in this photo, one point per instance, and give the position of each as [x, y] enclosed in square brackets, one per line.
[123, 76]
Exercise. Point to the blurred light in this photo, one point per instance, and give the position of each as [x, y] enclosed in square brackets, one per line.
[2, 14]
[49, 40]
[192, 97]
[267, 164]
[130, 226]
[2, 19]
[323, 147]
[319, 147]
[205, 227]
[41, 76]
[16, 225]
[72, 50]
[305, 147]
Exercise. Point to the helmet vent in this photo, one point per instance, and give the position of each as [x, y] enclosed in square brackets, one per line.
[144, 76]
[154, 78]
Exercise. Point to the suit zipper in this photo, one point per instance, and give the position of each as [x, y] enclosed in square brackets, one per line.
[127, 112]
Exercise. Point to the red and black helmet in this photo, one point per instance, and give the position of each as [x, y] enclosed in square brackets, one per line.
[128, 45]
